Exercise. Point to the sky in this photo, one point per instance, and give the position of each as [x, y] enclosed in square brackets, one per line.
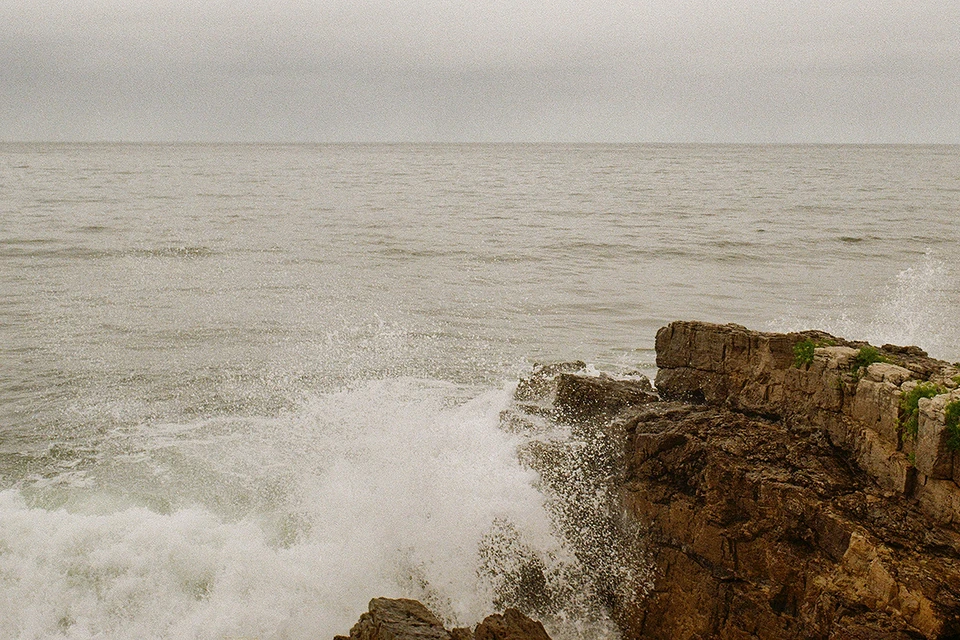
[753, 71]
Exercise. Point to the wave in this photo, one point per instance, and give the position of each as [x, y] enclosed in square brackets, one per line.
[919, 308]
[51, 248]
[279, 527]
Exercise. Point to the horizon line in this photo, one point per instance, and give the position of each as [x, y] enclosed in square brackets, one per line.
[477, 143]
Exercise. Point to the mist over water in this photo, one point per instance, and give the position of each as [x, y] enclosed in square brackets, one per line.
[244, 389]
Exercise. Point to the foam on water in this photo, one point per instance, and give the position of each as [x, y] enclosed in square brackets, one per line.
[274, 528]
[918, 310]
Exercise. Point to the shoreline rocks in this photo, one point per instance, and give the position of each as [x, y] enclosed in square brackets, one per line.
[757, 530]
[858, 407]
[769, 488]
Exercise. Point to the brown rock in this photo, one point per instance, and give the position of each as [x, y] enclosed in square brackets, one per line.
[512, 625]
[583, 398]
[540, 385]
[934, 457]
[776, 500]
[399, 619]
[756, 373]
[757, 530]
[403, 619]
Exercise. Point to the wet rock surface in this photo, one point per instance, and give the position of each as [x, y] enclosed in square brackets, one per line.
[581, 399]
[402, 619]
[512, 625]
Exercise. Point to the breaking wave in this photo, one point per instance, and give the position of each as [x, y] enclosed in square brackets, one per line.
[284, 527]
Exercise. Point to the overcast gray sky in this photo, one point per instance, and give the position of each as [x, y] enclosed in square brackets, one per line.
[481, 70]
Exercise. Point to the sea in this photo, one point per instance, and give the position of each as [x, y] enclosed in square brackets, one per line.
[244, 389]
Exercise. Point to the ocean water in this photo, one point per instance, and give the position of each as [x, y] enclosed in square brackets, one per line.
[246, 388]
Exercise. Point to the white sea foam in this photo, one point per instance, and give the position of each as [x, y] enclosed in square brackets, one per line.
[918, 310]
[918, 307]
[386, 489]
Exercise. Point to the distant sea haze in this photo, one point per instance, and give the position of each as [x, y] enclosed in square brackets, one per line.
[246, 388]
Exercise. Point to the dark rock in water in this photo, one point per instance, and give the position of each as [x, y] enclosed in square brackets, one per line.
[512, 625]
[403, 619]
[582, 474]
[399, 619]
[584, 398]
[540, 385]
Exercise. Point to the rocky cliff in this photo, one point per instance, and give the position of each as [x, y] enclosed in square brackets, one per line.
[775, 488]
[837, 389]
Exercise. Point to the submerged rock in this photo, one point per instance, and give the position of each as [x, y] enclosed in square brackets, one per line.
[402, 619]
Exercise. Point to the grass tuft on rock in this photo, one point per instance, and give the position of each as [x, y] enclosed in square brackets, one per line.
[803, 353]
[865, 357]
[910, 405]
[951, 415]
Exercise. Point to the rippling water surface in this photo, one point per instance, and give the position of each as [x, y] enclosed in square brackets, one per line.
[245, 388]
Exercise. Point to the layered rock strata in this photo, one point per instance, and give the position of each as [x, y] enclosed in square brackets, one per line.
[757, 530]
[859, 408]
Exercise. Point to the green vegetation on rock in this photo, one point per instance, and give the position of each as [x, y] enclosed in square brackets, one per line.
[951, 415]
[910, 405]
[803, 352]
[866, 356]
